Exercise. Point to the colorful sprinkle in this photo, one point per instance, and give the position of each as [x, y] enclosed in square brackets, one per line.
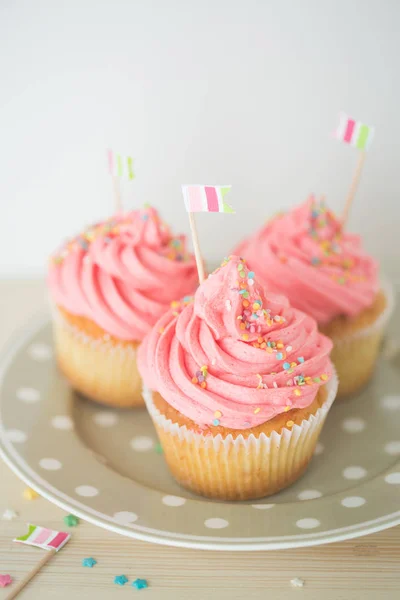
[300, 359]
[286, 365]
[216, 422]
[5, 580]
[89, 562]
[257, 410]
[297, 392]
[120, 580]
[30, 494]
[289, 423]
[279, 355]
[324, 377]
[289, 348]
[217, 414]
[140, 584]
[287, 408]
[251, 275]
[71, 520]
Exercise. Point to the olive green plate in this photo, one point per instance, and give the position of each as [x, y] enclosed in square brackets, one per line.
[106, 467]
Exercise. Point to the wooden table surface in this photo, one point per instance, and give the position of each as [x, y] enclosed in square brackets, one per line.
[365, 568]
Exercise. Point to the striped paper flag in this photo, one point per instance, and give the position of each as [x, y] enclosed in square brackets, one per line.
[354, 132]
[48, 539]
[120, 166]
[206, 198]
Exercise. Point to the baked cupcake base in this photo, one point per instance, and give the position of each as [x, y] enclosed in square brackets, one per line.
[246, 464]
[97, 365]
[357, 342]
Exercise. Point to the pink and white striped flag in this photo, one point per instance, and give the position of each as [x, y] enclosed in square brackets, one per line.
[48, 539]
[354, 132]
[206, 198]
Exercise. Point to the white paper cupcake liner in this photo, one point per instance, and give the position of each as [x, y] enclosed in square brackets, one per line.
[243, 467]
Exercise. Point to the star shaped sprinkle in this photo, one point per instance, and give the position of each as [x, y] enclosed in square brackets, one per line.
[5, 580]
[120, 579]
[89, 562]
[297, 582]
[140, 584]
[9, 514]
[30, 494]
[71, 520]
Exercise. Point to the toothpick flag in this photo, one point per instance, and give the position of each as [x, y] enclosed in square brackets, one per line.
[360, 136]
[48, 539]
[120, 166]
[206, 198]
[354, 132]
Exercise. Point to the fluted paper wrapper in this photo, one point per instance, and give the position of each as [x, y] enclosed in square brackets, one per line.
[98, 368]
[355, 355]
[241, 468]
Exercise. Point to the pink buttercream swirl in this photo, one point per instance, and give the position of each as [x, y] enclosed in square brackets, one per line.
[236, 356]
[123, 274]
[306, 255]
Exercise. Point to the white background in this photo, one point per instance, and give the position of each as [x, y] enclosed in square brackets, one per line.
[235, 92]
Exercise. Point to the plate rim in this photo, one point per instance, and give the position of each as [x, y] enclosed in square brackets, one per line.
[22, 336]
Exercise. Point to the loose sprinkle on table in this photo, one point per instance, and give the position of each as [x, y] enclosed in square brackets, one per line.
[9, 514]
[120, 580]
[5, 580]
[89, 562]
[140, 584]
[296, 582]
[30, 494]
[71, 520]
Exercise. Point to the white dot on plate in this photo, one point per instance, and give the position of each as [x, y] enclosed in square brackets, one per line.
[50, 464]
[319, 448]
[392, 448]
[62, 422]
[28, 395]
[173, 501]
[354, 472]
[353, 501]
[16, 435]
[39, 351]
[125, 517]
[105, 419]
[262, 506]
[142, 443]
[391, 402]
[308, 523]
[393, 478]
[86, 491]
[353, 425]
[309, 495]
[216, 523]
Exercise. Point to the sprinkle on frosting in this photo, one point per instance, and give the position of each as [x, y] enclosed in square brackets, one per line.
[325, 271]
[123, 273]
[204, 367]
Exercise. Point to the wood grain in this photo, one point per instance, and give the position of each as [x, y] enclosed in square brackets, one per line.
[365, 568]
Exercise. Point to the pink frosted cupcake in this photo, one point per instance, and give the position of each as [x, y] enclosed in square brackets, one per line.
[238, 384]
[325, 272]
[109, 286]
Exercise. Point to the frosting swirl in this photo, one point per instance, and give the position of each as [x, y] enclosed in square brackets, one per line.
[123, 273]
[236, 356]
[306, 255]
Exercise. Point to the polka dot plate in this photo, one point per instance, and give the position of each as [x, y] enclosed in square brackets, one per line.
[106, 466]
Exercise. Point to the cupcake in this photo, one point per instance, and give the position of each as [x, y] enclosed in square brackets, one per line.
[108, 287]
[324, 271]
[238, 384]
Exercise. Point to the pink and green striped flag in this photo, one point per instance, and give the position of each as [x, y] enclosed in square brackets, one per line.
[206, 198]
[120, 166]
[354, 132]
[48, 539]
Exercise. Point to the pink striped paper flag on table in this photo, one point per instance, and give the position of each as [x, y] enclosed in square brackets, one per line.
[120, 166]
[354, 132]
[206, 198]
[48, 539]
